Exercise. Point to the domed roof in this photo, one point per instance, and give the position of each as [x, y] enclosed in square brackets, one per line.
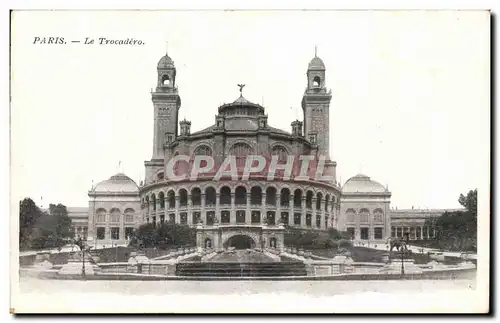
[119, 183]
[242, 102]
[166, 62]
[316, 64]
[362, 184]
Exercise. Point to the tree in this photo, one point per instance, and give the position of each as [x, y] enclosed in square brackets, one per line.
[457, 230]
[38, 229]
[469, 202]
[29, 214]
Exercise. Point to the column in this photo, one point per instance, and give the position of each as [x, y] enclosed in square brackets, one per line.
[291, 209]
[303, 216]
[217, 208]
[203, 212]
[121, 226]
[313, 214]
[165, 211]
[232, 214]
[248, 216]
[278, 208]
[323, 215]
[177, 206]
[189, 211]
[263, 213]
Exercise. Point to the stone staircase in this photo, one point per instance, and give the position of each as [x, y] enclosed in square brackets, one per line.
[248, 269]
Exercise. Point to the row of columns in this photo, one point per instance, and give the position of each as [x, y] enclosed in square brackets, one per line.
[419, 232]
[233, 207]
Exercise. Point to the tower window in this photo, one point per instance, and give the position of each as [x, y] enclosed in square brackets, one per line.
[316, 81]
[165, 80]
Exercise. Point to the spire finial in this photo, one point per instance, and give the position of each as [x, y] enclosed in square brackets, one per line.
[166, 47]
[315, 51]
[241, 88]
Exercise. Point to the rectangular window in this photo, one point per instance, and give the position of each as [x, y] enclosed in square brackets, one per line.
[318, 221]
[255, 217]
[377, 233]
[100, 233]
[393, 232]
[101, 218]
[171, 218]
[419, 233]
[425, 233]
[296, 218]
[240, 216]
[326, 221]
[129, 218]
[284, 217]
[225, 217]
[196, 217]
[364, 233]
[271, 219]
[351, 232]
[129, 232]
[210, 217]
[399, 232]
[115, 233]
[184, 218]
[153, 219]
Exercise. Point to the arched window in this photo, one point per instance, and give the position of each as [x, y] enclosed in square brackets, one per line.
[101, 215]
[153, 201]
[327, 202]
[203, 150]
[160, 176]
[171, 199]
[281, 152]
[363, 215]
[240, 151]
[165, 80]
[309, 198]
[183, 197]
[196, 196]
[271, 196]
[350, 215]
[285, 197]
[240, 195]
[129, 215]
[225, 195]
[256, 195]
[319, 198]
[161, 197]
[210, 196]
[297, 198]
[115, 215]
[316, 81]
[378, 215]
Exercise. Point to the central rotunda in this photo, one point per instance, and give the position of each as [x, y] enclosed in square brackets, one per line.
[236, 212]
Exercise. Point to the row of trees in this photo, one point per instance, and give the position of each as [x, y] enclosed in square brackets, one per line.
[39, 229]
[167, 235]
[457, 230]
[308, 239]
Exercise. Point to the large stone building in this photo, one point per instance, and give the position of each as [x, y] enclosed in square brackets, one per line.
[245, 212]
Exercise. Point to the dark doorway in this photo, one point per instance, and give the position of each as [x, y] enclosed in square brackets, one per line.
[240, 242]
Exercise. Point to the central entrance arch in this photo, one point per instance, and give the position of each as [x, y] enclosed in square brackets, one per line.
[240, 241]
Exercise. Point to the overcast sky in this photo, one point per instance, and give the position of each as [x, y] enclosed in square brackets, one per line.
[410, 105]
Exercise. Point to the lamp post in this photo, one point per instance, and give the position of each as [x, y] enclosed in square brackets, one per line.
[402, 249]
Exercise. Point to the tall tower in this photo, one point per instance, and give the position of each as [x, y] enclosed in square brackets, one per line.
[166, 101]
[316, 107]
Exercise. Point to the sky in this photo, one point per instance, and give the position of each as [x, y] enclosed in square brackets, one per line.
[410, 92]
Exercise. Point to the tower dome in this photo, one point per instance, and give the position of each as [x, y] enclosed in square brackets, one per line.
[119, 183]
[316, 64]
[165, 62]
[362, 184]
